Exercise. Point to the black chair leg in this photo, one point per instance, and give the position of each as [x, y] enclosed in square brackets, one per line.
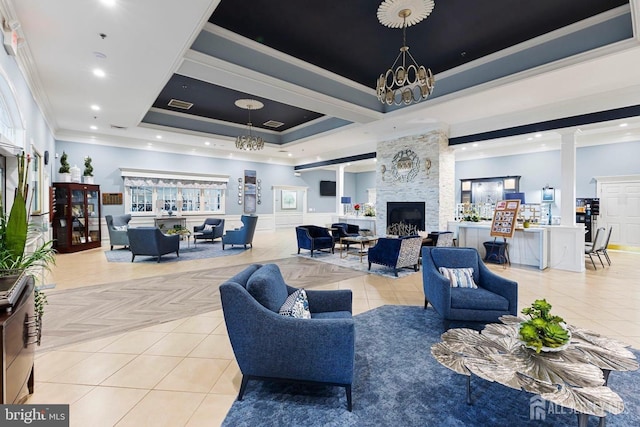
[349, 403]
[243, 386]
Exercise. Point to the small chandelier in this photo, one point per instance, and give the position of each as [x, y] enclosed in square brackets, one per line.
[249, 142]
[407, 82]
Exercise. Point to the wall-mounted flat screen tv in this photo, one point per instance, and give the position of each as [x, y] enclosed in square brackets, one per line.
[327, 188]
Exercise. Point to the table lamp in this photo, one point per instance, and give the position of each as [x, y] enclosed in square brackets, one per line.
[345, 201]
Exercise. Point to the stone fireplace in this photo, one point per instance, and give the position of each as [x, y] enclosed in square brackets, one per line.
[415, 169]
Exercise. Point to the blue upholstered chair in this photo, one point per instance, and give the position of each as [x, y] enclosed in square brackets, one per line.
[242, 235]
[268, 345]
[152, 242]
[314, 238]
[396, 252]
[342, 229]
[495, 296]
[118, 226]
[212, 228]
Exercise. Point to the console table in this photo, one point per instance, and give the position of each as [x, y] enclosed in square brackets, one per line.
[168, 222]
[17, 342]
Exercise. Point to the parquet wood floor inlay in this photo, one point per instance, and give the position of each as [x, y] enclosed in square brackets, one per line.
[85, 313]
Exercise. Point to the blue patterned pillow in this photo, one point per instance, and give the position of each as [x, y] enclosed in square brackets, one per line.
[296, 305]
[459, 277]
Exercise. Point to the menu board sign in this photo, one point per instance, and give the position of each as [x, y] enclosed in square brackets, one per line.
[504, 218]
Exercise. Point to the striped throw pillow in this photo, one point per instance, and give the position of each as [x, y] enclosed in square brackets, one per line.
[459, 277]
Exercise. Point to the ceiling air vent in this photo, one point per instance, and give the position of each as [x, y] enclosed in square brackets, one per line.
[183, 105]
[118, 127]
[273, 124]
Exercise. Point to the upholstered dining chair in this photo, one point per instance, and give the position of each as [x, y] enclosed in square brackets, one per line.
[458, 300]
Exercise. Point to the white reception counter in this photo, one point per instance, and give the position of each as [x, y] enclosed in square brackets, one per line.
[529, 246]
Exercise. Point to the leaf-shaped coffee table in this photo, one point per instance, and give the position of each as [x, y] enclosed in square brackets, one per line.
[575, 378]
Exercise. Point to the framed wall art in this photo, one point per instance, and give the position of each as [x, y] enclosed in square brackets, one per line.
[289, 200]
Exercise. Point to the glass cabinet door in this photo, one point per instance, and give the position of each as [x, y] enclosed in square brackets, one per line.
[78, 218]
[61, 226]
[93, 218]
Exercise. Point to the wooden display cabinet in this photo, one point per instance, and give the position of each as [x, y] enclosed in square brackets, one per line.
[76, 217]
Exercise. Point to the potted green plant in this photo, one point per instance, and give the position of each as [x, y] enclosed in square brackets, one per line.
[543, 331]
[65, 168]
[87, 175]
[15, 259]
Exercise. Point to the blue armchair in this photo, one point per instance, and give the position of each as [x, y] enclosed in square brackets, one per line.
[118, 226]
[495, 296]
[242, 235]
[150, 241]
[214, 230]
[396, 253]
[268, 345]
[314, 238]
[342, 229]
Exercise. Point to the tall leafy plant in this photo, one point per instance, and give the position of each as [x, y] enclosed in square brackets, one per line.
[15, 229]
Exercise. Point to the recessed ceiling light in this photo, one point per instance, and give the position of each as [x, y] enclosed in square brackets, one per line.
[464, 148]
[98, 72]
[95, 107]
[207, 143]
[475, 145]
[530, 139]
[109, 3]
[158, 136]
[538, 135]
[375, 159]
[93, 127]
[289, 154]
[622, 125]
[348, 164]
[149, 144]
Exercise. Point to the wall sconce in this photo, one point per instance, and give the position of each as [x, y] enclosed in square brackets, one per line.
[427, 166]
[239, 191]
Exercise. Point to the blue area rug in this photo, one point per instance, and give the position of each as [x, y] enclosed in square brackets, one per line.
[187, 253]
[398, 383]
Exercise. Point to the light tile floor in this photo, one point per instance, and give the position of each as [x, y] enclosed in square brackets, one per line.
[183, 373]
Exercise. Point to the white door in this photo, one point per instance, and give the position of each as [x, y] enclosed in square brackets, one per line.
[620, 209]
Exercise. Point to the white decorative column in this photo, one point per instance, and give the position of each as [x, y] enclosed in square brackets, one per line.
[340, 189]
[566, 242]
[568, 178]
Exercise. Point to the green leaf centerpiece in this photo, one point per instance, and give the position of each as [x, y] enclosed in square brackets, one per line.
[543, 331]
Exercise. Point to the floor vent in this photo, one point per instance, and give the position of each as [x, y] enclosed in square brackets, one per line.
[183, 105]
[273, 124]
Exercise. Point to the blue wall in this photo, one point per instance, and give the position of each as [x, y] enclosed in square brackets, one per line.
[540, 169]
[107, 162]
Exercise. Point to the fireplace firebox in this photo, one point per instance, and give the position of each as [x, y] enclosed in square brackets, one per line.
[409, 213]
